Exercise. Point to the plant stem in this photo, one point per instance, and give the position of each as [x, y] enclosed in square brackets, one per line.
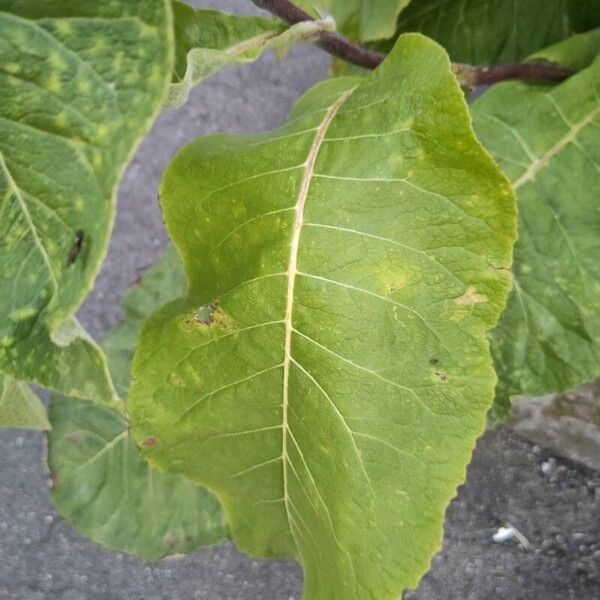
[468, 75]
[332, 43]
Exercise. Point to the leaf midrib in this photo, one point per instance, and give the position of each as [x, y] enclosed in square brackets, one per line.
[554, 150]
[31, 226]
[291, 279]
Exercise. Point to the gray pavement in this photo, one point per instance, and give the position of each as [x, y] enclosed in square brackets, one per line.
[42, 558]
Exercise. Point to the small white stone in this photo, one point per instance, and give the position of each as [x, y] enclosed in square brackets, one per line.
[503, 535]
[548, 466]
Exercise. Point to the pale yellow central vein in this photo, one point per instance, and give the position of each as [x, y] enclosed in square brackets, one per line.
[293, 270]
[569, 137]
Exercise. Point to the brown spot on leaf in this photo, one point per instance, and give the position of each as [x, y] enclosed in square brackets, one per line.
[471, 296]
[75, 248]
[206, 313]
[441, 375]
[74, 439]
[149, 441]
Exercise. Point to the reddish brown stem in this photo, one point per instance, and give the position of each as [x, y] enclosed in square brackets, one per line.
[355, 54]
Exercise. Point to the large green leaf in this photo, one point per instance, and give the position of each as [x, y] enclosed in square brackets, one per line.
[208, 40]
[546, 141]
[327, 373]
[363, 20]
[101, 484]
[20, 407]
[498, 31]
[80, 83]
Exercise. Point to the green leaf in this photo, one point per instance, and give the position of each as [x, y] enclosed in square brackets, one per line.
[80, 84]
[576, 52]
[208, 40]
[362, 20]
[20, 407]
[68, 361]
[161, 283]
[498, 31]
[327, 373]
[546, 141]
[101, 484]
[104, 488]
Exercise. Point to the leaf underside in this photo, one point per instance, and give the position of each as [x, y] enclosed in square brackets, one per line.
[101, 484]
[327, 373]
[208, 40]
[546, 141]
[80, 83]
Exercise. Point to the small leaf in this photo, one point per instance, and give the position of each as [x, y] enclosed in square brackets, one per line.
[80, 84]
[498, 31]
[547, 143]
[362, 20]
[353, 261]
[208, 40]
[101, 484]
[20, 407]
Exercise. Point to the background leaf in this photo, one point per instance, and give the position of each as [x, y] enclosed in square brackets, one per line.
[162, 282]
[208, 40]
[101, 484]
[69, 362]
[20, 407]
[328, 372]
[546, 141]
[80, 83]
[498, 31]
[576, 52]
[362, 20]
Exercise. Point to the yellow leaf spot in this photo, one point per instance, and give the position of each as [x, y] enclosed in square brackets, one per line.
[84, 86]
[63, 26]
[57, 61]
[102, 132]
[53, 83]
[20, 314]
[61, 119]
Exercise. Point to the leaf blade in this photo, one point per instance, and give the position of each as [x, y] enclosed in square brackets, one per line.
[209, 369]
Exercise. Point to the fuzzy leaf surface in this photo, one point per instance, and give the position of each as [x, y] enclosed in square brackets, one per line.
[327, 373]
[80, 84]
[101, 484]
[546, 141]
[209, 40]
[20, 407]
